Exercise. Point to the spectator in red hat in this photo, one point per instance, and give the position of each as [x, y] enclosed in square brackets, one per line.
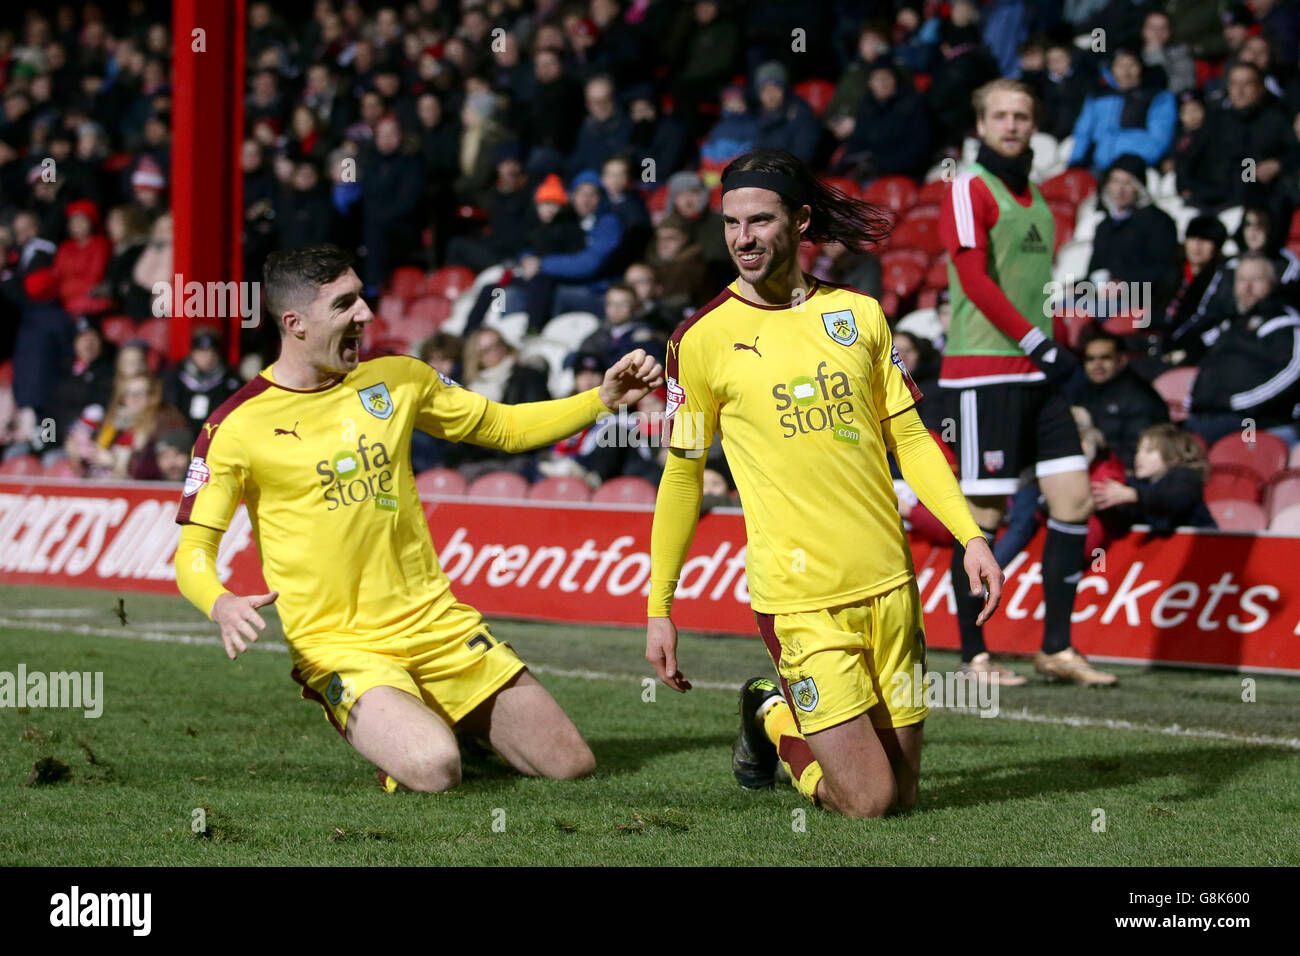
[82, 261]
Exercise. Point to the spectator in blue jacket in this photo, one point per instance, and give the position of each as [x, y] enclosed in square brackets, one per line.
[589, 268]
[734, 132]
[784, 120]
[1131, 119]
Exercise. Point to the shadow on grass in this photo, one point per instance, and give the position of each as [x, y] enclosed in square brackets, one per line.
[1193, 774]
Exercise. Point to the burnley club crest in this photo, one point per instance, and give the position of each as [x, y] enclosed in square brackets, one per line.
[841, 326]
[377, 401]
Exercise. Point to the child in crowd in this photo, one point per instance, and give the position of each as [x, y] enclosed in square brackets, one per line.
[1169, 483]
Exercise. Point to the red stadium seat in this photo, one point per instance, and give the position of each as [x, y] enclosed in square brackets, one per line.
[157, 332]
[923, 211]
[7, 372]
[1286, 521]
[844, 184]
[889, 304]
[63, 468]
[426, 310]
[1282, 491]
[657, 201]
[24, 466]
[1064, 208]
[936, 277]
[1231, 483]
[816, 93]
[1063, 231]
[391, 307]
[1294, 234]
[626, 491]
[499, 484]
[917, 256]
[117, 328]
[450, 281]
[1265, 456]
[1073, 185]
[560, 489]
[1174, 387]
[1238, 515]
[1074, 328]
[932, 193]
[901, 276]
[927, 298]
[715, 198]
[440, 481]
[1207, 70]
[893, 192]
[407, 282]
[919, 234]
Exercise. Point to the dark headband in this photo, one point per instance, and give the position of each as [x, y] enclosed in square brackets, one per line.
[787, 187]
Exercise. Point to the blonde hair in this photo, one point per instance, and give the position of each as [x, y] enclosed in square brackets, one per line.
[1177, 448]
[980, 98]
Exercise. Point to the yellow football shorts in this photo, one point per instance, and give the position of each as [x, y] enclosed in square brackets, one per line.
[453, 666]
[839, 662]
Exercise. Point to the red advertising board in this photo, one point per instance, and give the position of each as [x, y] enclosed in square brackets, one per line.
[1199, 598]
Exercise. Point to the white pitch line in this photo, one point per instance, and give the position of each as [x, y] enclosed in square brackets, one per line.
[57, 612]
[1104, 723]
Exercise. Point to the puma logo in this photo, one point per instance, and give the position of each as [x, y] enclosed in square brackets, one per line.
[751, 348]
[290, 431]
[209, 428]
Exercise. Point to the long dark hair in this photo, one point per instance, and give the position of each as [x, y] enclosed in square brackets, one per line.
[836, 216]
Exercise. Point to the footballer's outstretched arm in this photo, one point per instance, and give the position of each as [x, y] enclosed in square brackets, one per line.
[196, 576]
[677, 513]
[520, 428]
[927, 471]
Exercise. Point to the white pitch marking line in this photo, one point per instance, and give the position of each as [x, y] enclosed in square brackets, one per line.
[1104, 723]
[56, 612]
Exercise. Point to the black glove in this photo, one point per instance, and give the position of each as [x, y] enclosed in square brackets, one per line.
[1054, 359]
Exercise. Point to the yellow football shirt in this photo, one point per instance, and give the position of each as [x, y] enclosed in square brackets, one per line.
[798, 394]
[326, 474]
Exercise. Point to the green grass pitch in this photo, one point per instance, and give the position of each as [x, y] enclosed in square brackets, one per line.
[1185, 771]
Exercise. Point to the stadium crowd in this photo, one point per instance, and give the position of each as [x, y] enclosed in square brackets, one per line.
[531, 189]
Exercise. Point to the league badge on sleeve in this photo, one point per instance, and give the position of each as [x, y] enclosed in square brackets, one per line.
[676, 398]
[197, 476]
[377, 401]
[841, 326]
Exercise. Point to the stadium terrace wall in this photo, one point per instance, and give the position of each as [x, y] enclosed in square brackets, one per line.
[1214, 600]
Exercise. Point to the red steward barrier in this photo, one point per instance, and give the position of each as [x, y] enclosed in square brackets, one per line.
[1199, 598]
